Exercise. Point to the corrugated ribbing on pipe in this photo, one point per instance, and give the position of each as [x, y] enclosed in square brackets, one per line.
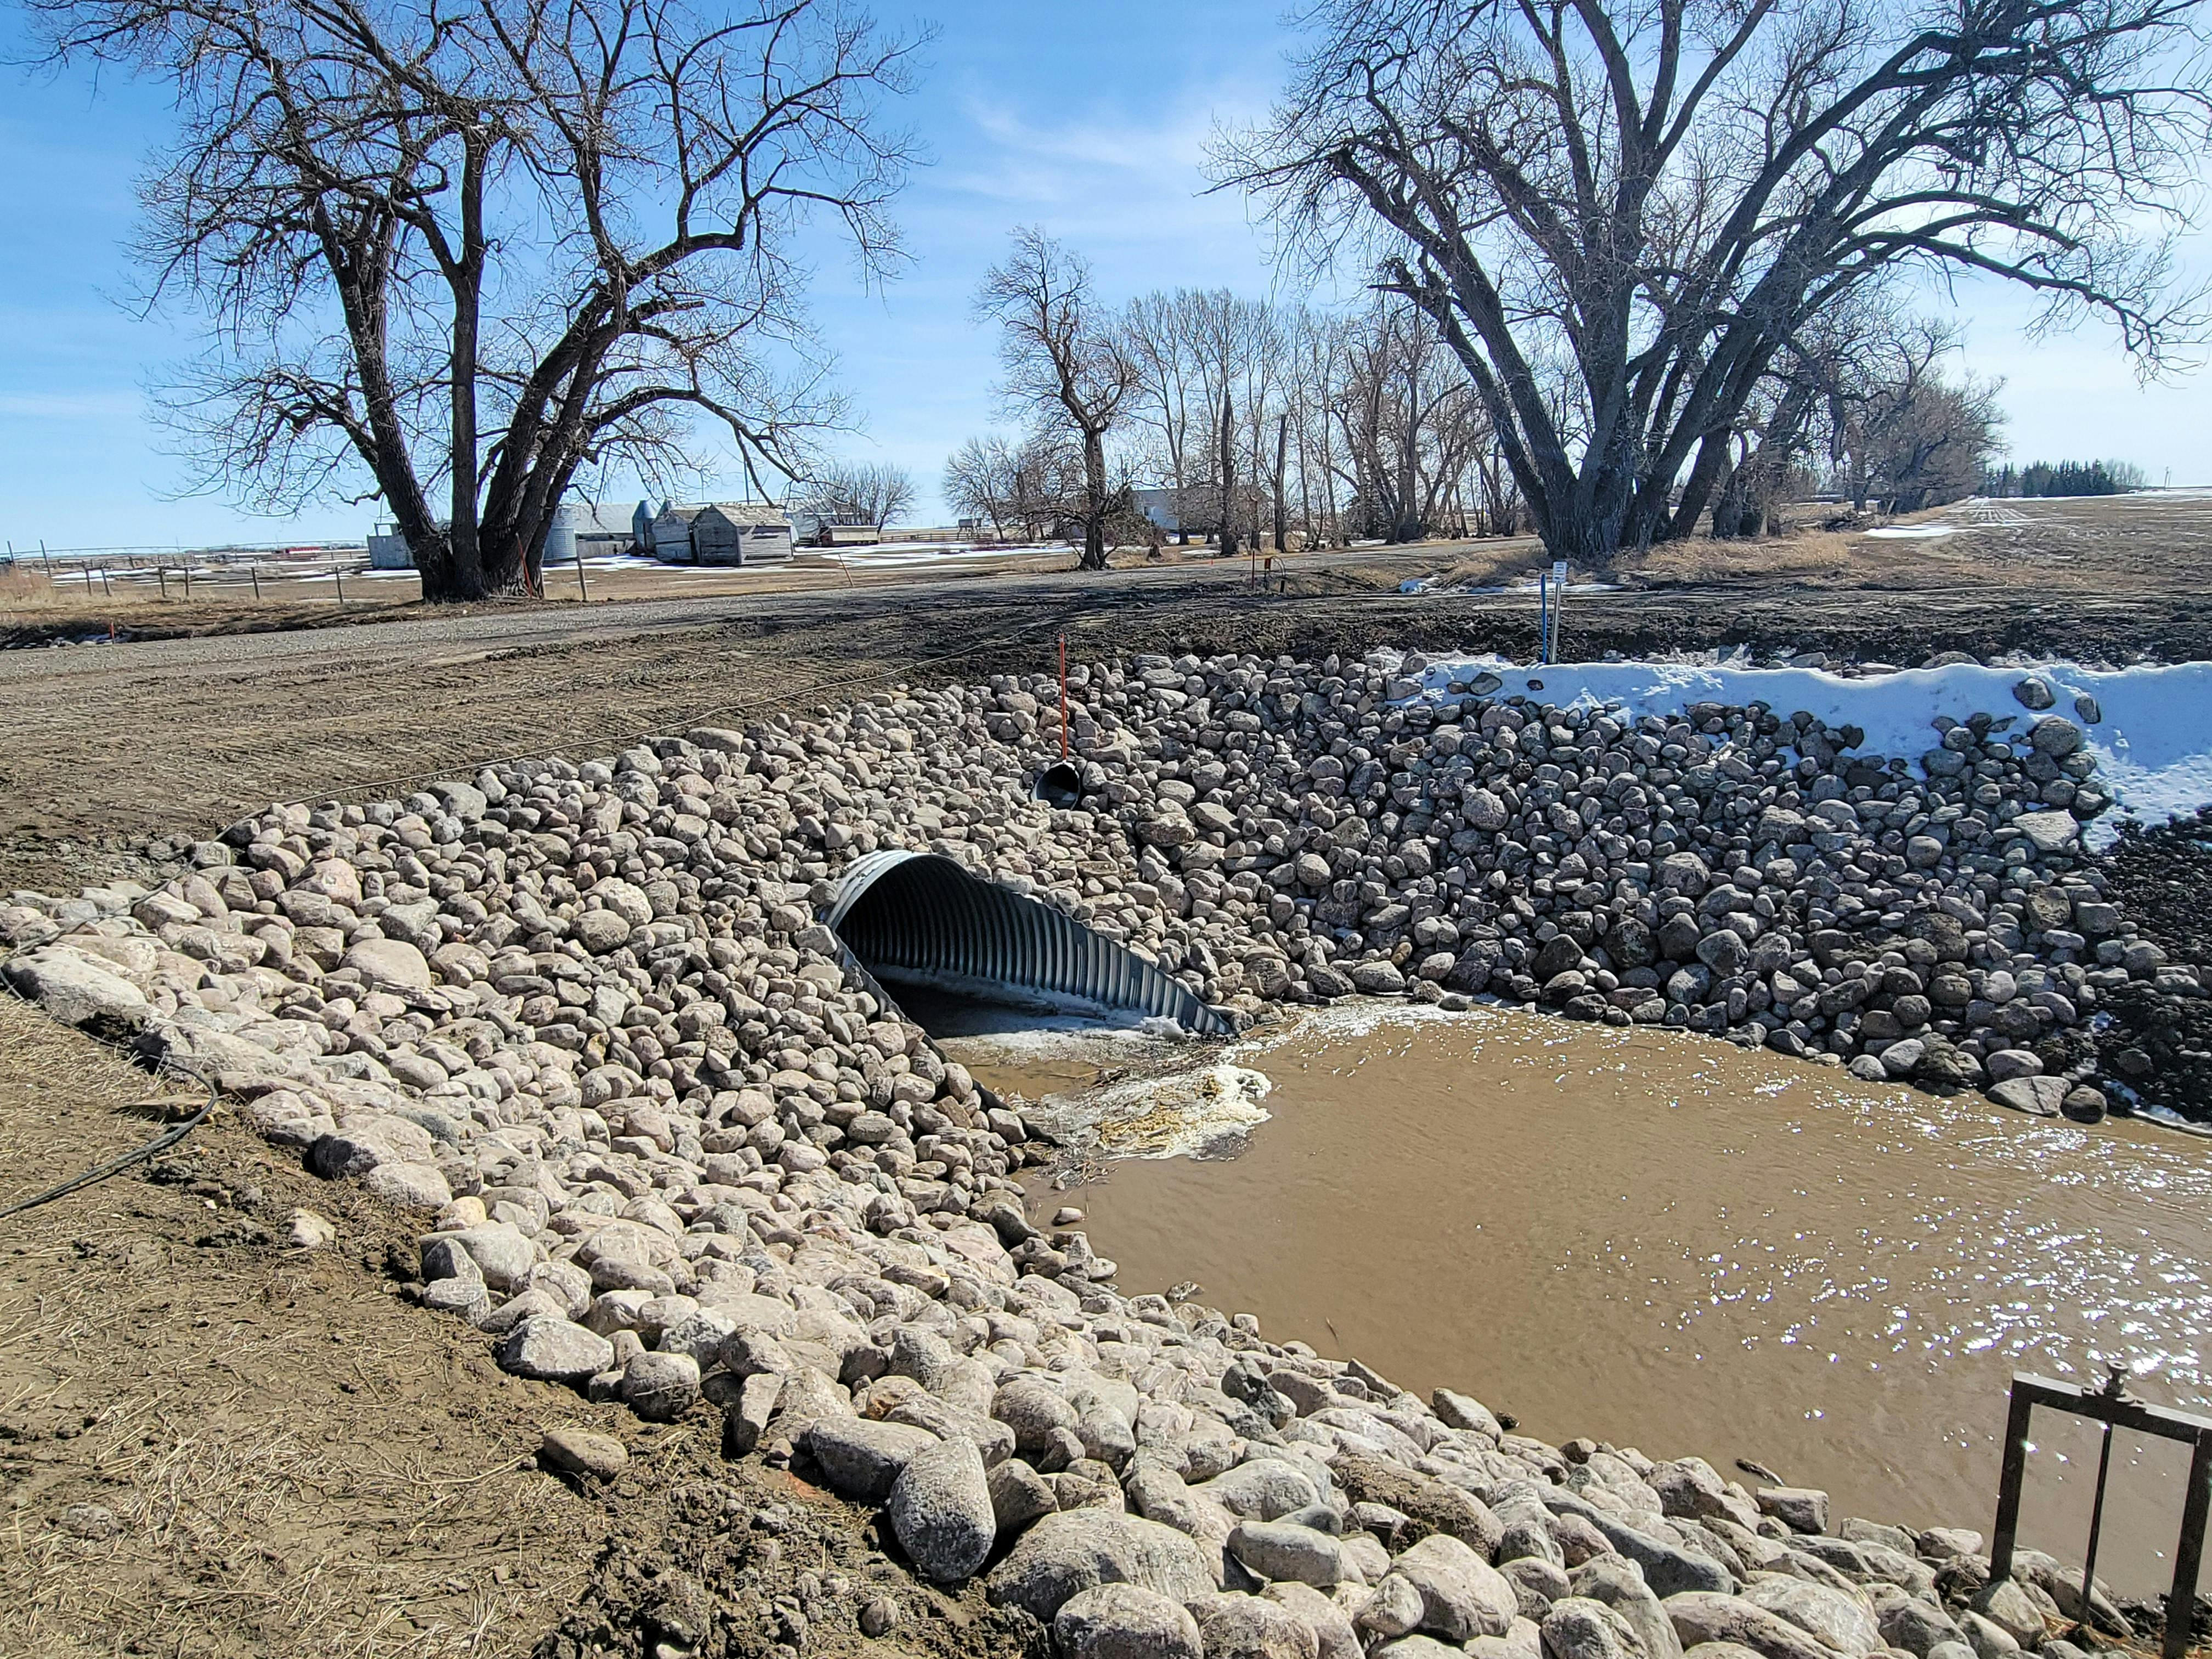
[918, 917]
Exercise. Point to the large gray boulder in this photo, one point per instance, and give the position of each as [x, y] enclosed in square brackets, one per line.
[1463, 1595]
[1277, 1549]
[1668, 1568]
[1252, 1627]
[1915, 1626]
[1125, 1621]
[1577, 1627]
[1332, 1626]
[1700, 1616]
[1262, 1490]
[78, 991]
[863, 1459]
[661, 1386]
[1393, 1609]
[550, 1349]
[941, 1511]
[501, 1256]
[1033, 1412]
[1076, 1550]
[390, 965]
[1830, 1617]
[2039, 1096]
[1619, 1583]
[2009, 1606]
[1430, 1504]
[1019, 1494]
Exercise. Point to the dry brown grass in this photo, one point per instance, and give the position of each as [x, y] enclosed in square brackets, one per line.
[1820, 555]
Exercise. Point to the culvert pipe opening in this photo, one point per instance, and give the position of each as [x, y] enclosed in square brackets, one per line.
[919, 922]
[1059, 785]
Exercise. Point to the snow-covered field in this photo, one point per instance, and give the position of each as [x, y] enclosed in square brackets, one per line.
[885, 554]
[2153, 742]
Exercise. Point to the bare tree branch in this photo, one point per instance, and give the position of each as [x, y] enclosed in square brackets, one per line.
[465, 249]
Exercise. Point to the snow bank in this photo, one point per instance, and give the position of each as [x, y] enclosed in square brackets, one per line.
[2153, 742]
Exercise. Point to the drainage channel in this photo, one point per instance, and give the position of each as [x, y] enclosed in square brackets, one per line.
[920, 922]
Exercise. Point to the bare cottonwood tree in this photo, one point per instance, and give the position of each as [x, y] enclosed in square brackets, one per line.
[1064, 364]
[1652, 197]
[1198, 353]
[1904, 436]
[1170, 399]
[1033, 487]
[1411, 426]
[857, 492]
[464, 250]
[978, 482]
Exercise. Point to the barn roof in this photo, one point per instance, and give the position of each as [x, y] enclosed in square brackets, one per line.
[751, 512]
[603, 517]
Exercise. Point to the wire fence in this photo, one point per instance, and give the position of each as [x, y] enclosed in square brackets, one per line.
[72, 579]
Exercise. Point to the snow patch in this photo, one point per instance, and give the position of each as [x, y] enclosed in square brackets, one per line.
[2153, 743]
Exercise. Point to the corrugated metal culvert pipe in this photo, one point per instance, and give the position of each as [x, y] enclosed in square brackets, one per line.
[919, 919]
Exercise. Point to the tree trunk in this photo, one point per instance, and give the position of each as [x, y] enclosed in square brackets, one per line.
[1282, 507]
[465, 278]
[1228, 478]
[1305, 491]
[1729, 507]
[1094, 503]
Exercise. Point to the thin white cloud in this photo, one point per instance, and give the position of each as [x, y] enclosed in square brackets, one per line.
[70, 406]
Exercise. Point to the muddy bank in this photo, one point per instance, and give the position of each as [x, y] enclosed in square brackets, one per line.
[1670, 1242]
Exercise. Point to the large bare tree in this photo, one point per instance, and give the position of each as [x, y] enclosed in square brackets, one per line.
[460, 249]
[858, 492]
[1619, 211]
[1411, 427]
[1031, 488]
[1065, 366]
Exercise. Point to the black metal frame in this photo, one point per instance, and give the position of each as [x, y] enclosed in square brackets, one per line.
[2111, 1407]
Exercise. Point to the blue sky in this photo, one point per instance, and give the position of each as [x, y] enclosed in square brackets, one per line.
[1088, 119]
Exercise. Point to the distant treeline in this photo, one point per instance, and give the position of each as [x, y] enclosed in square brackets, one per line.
[2063, 478]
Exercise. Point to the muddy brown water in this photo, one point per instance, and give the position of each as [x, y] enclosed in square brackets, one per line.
[1672, 1244]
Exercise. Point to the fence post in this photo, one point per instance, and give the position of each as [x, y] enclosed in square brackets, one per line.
[338, 570]
[161, 575]
[2011, 1476]
[255, 570]
[2181, 1600]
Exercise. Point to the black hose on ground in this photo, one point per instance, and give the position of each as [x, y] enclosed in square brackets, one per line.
[159, 1144]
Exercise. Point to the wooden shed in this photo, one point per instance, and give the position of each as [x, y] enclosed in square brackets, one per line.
[723, 533]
